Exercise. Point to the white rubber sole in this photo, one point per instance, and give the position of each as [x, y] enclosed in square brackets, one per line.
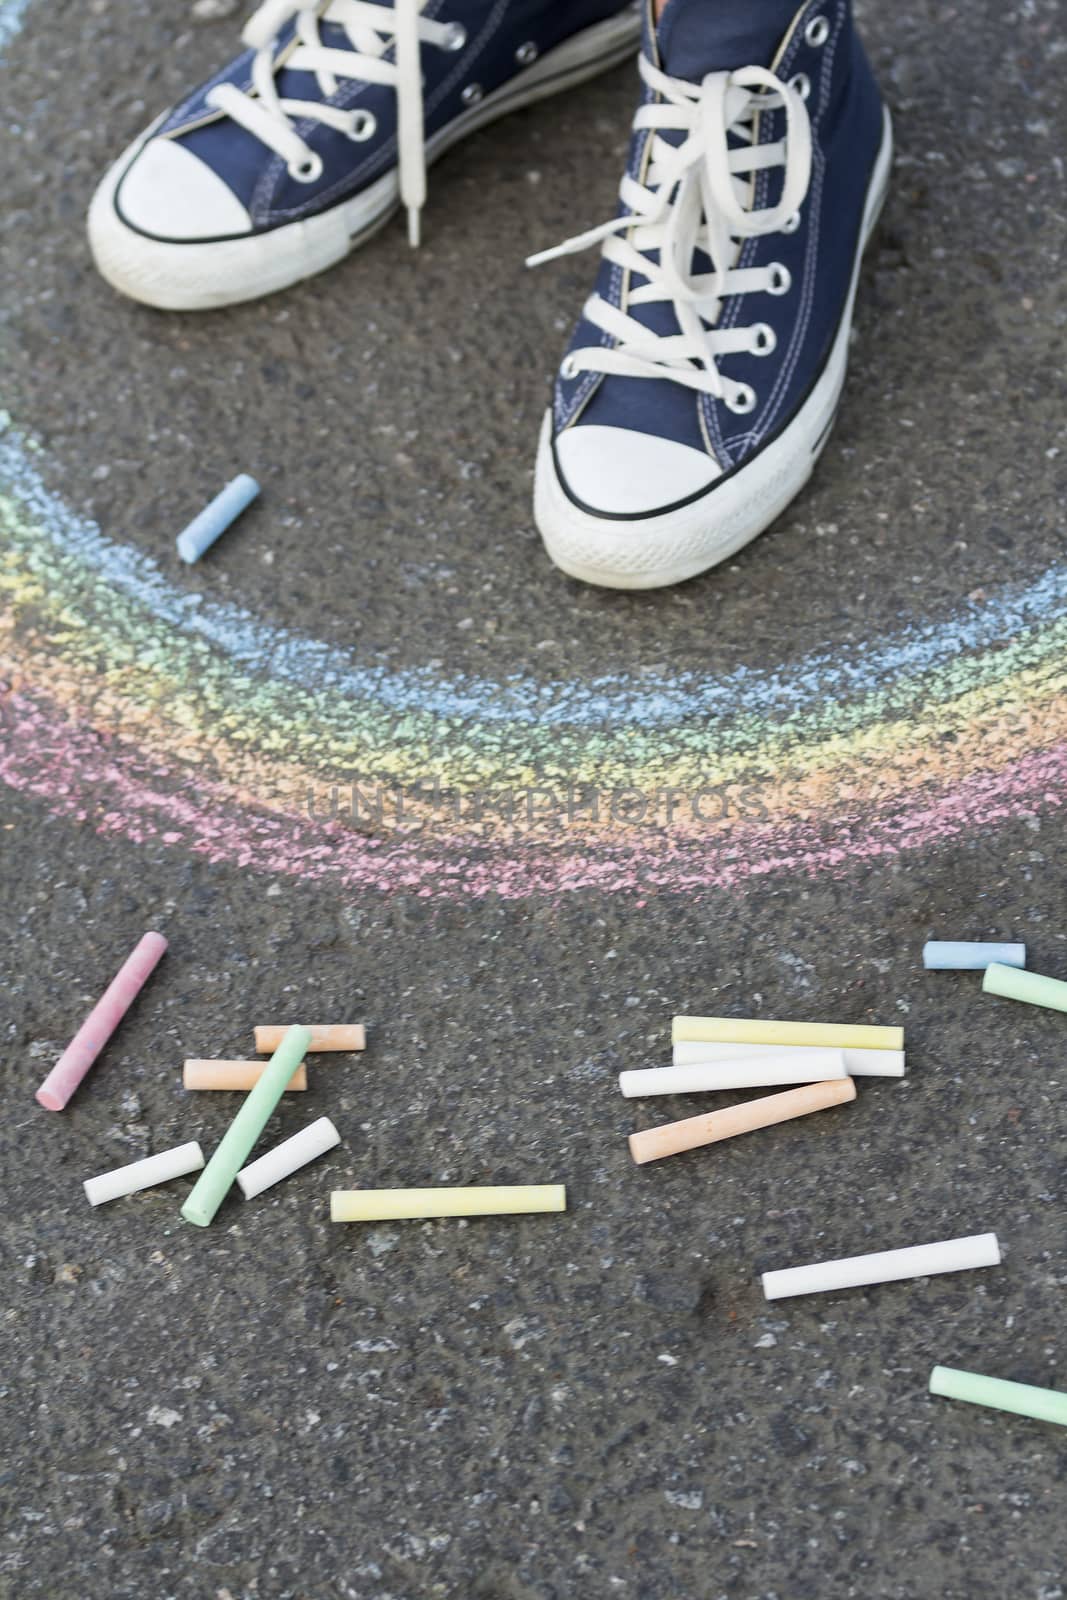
[200, 277]
[652, 552]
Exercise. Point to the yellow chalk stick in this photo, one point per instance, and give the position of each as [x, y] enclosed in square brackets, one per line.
[822, 1035]
[393, 1205]
[234, 1075]
[327, 1036]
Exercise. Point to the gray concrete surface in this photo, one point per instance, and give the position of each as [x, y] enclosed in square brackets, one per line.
[551, 1409]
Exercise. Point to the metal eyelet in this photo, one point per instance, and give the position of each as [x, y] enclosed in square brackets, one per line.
[781, 279]
[526, 54]
[791, 224]
[472, 94]
[307, 171]
[764, 339]
[802, 84]
[817, 32]
[364, 126]
[568, 368]
[743, 401]
[456, 37]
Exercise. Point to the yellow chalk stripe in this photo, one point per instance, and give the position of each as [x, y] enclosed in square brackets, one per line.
[392, 1205]
[828, 1035]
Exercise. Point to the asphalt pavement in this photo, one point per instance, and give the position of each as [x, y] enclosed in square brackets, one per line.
[542, 1408]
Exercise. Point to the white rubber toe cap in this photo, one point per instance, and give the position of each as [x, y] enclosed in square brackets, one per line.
[169, 193]
[622, 472]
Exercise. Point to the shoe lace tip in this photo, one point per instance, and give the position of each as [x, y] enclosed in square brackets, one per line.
[414, 227]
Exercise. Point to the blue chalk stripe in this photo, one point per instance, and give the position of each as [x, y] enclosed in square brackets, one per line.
[947, 955]
[215, 518]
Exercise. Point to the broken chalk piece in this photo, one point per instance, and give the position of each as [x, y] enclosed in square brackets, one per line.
[216, 517]
[101, 1023]
[885, 1266]
[395, 1205]
[758, 1072]
[1025, 1399]
[1028, 986]
[144, 1174]
[324, 1036]
[288, 1157]
[823, 1035]
[858, 1063]
[673, 1137]
[234, 1075]
[217, 1177]
[948, 955]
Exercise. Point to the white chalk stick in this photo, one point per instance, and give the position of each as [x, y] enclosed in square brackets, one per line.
[858, 1063]
[916, 1261]
[809, 1066]
[288, 1157]
[956, 955]
[144, 1174]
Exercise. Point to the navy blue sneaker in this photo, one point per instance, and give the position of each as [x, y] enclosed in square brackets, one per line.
[704, 374]
[299, 149]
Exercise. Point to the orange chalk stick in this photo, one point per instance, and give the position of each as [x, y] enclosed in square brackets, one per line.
[327, 1036]
[234, 1075]
[674, 1137]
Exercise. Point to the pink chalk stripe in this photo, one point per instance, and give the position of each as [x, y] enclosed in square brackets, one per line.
[121, 791]
[101, 1023]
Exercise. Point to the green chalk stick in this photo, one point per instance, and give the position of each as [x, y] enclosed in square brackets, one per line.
[217, 1177]
[1015, 984]
[1047, 1405]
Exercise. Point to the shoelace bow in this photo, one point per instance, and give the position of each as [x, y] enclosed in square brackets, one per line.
[696, 197]
[370, 30]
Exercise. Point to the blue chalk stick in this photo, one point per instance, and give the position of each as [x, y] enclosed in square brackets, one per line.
[215, 518]
[947, 955]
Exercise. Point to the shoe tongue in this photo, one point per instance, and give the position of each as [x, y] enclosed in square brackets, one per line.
[696, 37]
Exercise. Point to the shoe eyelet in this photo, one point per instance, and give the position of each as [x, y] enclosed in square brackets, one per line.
[791, 224]
[364, 126]
[456, 38]
[307, 171]
[568, 368]
[472, 94]
[526, 54]
[743, 400]
[764, 339]
[801, 84]
[817, 32]
[781, 279]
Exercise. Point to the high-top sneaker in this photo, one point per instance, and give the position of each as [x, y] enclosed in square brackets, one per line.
[703, 376]
[295, 152]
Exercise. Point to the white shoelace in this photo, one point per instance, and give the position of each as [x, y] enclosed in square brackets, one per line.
[370, 29]
[697, 195]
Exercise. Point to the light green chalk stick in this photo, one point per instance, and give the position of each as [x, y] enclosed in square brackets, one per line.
[1047, 1405]
[1015, 984]
[217, 1177]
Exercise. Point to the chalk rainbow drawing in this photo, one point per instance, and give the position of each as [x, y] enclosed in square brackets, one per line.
[164, 717]
[12, 15]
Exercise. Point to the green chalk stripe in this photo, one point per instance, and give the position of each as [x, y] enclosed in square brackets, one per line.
[1015, 984]
[217, 1178]
[1047, 1405]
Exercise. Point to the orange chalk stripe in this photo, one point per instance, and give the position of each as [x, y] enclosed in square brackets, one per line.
[327, 1036]
[234, 1075]
[690, 1134]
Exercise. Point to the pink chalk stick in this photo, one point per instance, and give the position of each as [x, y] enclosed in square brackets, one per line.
[101, 1023]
